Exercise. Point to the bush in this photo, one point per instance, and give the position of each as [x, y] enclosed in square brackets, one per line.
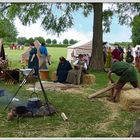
[57, 45]
[7, 44]
[26, 44]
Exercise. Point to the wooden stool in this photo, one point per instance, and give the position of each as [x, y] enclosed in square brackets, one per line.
[53, 76]
[44, 74]
[88, 79]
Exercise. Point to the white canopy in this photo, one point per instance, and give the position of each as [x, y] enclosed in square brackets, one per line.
[82, 47]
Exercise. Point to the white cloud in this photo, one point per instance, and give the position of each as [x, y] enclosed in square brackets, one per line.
[107, 5]
[35, 30]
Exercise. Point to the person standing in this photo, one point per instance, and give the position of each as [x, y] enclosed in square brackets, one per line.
[129, 56]
[43, 56]
[116, 53]
[33, 62]
[137, 59]
[108, 60]
[127, 73]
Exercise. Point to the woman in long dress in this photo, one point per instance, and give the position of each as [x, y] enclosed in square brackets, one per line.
[108, 59]
[33, 62]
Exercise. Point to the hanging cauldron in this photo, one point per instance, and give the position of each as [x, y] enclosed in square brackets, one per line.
[34, 103]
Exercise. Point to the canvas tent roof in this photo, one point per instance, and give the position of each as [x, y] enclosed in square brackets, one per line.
[82, 47]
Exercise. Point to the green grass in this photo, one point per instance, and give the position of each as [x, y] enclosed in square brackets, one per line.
[14, 56]
[86, 117]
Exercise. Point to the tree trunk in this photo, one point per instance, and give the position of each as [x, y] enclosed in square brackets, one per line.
[96, 61]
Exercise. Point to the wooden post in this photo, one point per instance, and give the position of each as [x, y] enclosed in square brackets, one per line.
[101, 91]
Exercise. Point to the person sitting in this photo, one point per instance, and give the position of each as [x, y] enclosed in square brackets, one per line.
[80, 68]
[127, 73]
[62, 70]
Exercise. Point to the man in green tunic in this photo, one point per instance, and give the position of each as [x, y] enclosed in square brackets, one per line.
[126, 72]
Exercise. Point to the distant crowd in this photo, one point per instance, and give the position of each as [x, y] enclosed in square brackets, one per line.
[128, 54]
[18, 47]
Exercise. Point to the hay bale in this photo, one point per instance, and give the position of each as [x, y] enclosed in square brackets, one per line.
[88, 79]
[53, 76]
[130, 99]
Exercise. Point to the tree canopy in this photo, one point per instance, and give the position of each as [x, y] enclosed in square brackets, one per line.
[54, 41]
[136, 30]
[7, 30]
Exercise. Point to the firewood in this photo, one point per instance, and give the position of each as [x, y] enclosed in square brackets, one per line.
[101, 91]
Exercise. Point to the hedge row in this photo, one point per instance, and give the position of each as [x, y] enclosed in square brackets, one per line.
[7, 44]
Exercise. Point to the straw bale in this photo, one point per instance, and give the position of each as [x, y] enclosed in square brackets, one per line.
[130, 99]
[53, 76]
[88, 79]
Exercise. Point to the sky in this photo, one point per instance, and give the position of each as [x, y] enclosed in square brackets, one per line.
[80, 31]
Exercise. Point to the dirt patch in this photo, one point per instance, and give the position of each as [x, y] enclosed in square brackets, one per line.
[51, 86]
[113, 107]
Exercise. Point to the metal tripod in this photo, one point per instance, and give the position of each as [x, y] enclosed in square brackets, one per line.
[23, 82]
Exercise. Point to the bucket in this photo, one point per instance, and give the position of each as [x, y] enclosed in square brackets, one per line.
[44, 74]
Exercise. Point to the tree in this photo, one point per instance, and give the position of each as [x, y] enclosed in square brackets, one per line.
[72, 41]
[136, 30]
[7, 30]
[97, 51]
[54, 41]
[22, 40]
[58, 23]
[30, 40]
[65, 41]
[48, 41]
[40, 39]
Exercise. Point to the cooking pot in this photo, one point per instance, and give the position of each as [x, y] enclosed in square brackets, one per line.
[34, 103]
[2, 92]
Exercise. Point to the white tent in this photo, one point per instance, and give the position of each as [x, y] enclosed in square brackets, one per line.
[82, 47]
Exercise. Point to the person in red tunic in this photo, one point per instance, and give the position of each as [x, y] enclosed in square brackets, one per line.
[116, 53]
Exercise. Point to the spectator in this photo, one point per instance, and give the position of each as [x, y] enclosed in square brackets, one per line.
[33, 62]
[129, 56]
[116, 53]
[80, 68]
[137, 59]
[43, 56]
[62, 70]
[108, 60]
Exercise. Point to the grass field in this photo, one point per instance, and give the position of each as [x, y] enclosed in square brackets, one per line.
[97, 118]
